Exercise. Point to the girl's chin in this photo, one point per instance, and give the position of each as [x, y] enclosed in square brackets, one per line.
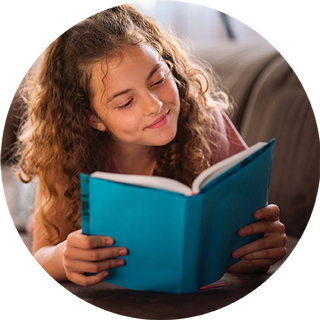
[164, 140]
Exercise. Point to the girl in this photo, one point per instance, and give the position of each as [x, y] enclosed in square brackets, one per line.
[115, 93]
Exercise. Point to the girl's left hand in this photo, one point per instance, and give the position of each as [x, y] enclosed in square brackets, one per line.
[268, 250]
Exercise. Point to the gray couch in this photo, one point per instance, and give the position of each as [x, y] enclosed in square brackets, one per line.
[272, 103]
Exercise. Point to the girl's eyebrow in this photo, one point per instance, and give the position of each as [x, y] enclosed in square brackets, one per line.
[152, 72]
[155, 68]
[118, 94]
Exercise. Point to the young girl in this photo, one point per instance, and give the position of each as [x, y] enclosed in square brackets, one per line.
[115, 93]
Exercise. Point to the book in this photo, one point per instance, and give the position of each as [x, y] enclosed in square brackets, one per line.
[179, 238]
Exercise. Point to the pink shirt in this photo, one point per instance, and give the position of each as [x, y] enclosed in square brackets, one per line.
[232, 142]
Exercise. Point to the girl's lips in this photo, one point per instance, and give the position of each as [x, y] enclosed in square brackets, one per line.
[159, 122]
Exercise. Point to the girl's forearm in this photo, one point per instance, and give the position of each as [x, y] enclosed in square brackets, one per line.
[51, 260]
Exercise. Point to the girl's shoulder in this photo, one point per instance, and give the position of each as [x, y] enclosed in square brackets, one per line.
[231, 141]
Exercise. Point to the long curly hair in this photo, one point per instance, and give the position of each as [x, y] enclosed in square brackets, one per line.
[57, 141]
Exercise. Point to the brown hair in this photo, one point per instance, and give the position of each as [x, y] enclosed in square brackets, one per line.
[57, 140]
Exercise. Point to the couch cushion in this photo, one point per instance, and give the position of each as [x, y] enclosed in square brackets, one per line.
[239, 66]
[279, 107]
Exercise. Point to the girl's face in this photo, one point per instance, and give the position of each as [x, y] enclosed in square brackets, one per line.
[138, 100]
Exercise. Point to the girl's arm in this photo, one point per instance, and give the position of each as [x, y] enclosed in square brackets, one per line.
[76, 254]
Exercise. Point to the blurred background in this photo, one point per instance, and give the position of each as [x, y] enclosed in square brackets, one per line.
[200, 21]
[200, 24]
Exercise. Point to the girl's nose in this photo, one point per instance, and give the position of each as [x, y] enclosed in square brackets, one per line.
[152, 104]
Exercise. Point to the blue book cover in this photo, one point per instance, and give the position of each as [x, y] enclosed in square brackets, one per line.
[179, 239]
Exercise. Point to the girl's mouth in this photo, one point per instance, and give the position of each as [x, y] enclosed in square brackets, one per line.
[159, 122]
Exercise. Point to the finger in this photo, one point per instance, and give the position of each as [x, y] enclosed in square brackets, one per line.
[260, 244]
[94, 254]
[83, 280]
[263, 262]
[78, 240]
[270, 212]
[79, 266]
[267, 254]
[263, 226]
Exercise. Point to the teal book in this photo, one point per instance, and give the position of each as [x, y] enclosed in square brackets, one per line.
[179, 238]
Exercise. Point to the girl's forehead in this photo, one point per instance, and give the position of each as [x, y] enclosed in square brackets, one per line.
[127, 54]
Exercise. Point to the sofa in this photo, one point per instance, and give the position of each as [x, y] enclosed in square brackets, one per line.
[272, 103]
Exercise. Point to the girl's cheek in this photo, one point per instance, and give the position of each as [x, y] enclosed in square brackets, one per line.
[129, 125]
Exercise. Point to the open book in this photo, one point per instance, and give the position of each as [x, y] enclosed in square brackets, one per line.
[179, 238]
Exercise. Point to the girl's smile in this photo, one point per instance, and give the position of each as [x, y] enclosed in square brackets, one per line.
[161, 121]
[136, 100]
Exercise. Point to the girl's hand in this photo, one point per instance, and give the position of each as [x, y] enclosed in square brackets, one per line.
[269, 249]
[90, 254]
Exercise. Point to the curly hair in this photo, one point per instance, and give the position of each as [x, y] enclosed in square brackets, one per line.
[57, 141]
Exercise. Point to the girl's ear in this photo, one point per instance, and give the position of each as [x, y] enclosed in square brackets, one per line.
[96, 123]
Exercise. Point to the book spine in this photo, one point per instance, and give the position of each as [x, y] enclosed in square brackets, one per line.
[85, 213]
[191, 250]
[271, 145]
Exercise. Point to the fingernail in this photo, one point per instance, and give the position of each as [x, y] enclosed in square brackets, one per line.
[123, 252]
[236, 254]
[120, 263]
[258, 215]
[109, 241]
[242, 232]
[105, 274]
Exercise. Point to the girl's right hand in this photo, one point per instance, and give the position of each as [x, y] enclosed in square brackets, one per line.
[90, 254]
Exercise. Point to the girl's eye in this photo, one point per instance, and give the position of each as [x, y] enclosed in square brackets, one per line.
[159, 82]
[125, 105]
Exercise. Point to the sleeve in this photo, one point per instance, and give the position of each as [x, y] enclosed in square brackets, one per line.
[231, 141]
[236, 142]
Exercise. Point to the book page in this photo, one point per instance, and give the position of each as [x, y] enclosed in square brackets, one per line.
[145, 181]
[217, 169]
